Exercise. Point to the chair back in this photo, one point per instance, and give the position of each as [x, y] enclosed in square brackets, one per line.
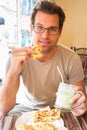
[82, 52]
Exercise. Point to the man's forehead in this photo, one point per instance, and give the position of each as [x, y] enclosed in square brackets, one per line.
[47, 19]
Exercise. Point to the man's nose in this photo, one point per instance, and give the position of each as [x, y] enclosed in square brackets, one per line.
[45, 33]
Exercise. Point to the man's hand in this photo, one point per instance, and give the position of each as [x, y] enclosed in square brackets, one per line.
[19, 58]
[80, 101]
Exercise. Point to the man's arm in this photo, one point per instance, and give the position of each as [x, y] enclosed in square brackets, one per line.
[8, 93]
[80, 86]
[19, 58]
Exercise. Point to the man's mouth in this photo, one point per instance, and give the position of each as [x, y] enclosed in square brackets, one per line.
[44, 43]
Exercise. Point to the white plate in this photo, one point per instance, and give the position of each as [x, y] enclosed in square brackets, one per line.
[28, 117]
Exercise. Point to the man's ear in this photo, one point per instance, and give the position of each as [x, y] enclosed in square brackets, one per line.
[60, 32]
[31, 28]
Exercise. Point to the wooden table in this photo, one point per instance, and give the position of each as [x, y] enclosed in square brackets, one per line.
[71, 122]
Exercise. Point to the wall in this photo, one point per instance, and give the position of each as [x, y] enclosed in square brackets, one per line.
[75, 26]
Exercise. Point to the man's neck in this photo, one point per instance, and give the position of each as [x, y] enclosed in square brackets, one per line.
[47, 57]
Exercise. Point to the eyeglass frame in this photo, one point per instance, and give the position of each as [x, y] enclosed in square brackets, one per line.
[44, 29]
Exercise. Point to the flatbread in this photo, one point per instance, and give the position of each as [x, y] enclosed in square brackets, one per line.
[38, 54]
[25, 127]
[43, 120]
[45, 126]
[47, 115]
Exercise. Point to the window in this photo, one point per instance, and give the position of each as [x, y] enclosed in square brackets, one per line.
[14, 28]
[8, 32]
[8, 11]
[24, 11]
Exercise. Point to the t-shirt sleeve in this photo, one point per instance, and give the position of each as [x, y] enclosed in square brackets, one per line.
[75, 69]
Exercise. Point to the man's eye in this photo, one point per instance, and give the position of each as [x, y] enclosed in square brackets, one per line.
[40, 27]
[52, 29]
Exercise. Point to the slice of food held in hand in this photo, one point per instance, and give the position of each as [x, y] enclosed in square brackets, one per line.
[37, 54]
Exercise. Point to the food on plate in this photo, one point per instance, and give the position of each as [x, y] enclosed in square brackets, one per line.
[25, 127]
[42, 120]
[47, 115]
[38, 54]
[44, 126]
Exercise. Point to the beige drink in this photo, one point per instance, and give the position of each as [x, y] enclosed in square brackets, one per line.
[63, 96]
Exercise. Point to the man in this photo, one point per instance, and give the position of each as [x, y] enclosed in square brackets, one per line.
[40, 76]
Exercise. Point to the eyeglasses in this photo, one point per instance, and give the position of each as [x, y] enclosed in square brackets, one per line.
[40, 29]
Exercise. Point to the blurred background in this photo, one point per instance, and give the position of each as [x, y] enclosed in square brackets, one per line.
[14, 27]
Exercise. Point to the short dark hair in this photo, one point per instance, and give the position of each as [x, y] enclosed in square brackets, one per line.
[50, 8]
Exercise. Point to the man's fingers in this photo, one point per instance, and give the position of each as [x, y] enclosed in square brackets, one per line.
[78, 98]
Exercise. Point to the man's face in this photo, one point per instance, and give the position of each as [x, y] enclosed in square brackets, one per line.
[46, 39]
